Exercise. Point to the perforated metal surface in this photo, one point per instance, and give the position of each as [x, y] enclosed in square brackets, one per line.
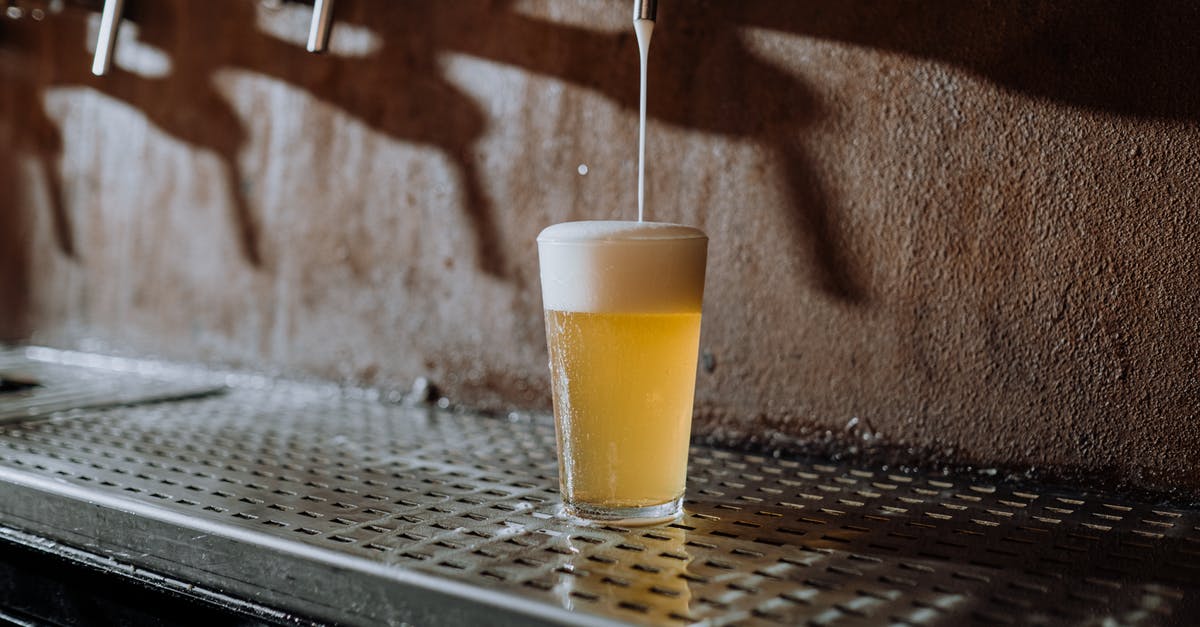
[473, 499]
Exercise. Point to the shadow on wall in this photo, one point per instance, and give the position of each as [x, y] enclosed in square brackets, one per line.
[14, 245]
[22, 132]
[1128, 58]
[1124, 57]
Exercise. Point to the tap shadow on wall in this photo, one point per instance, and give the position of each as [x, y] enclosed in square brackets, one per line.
[1129, 58]
[400, 91]
[198, 117]
[1122, 58]
[15, 251]
[25, 131]
[393, 92]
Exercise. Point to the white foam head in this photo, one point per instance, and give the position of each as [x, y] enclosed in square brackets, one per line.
[622, 267]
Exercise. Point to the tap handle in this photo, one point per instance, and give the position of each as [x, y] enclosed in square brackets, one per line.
[645, 10]
[106, 39]
[322, 23]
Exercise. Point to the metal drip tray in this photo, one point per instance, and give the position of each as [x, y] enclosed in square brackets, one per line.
[361, 512]
[31, 387]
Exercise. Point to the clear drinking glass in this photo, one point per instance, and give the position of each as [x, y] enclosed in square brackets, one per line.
[622, 303]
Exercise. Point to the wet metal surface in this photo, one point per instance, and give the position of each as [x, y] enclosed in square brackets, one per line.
[31, 387]
[363, 512]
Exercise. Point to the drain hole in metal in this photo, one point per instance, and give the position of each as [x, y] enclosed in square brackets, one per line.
[16, 383]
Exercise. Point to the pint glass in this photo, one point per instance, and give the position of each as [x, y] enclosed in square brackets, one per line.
[622, 305]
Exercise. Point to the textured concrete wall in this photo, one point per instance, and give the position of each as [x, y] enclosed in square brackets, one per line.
[964, 232]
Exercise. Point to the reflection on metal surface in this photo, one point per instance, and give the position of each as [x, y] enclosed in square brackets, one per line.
[403, 498]
[30, 388]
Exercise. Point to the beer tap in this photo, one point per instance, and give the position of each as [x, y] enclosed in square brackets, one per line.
[106, 39]
[645, 9]
[322, 24]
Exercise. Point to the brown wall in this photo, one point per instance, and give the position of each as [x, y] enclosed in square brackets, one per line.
[972, 226]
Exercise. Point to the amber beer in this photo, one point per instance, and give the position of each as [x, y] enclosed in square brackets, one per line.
[622, 302]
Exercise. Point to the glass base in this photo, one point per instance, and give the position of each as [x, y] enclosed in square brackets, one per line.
[627, 516]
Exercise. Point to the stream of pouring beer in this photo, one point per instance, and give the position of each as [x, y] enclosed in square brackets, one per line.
[644, 29]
